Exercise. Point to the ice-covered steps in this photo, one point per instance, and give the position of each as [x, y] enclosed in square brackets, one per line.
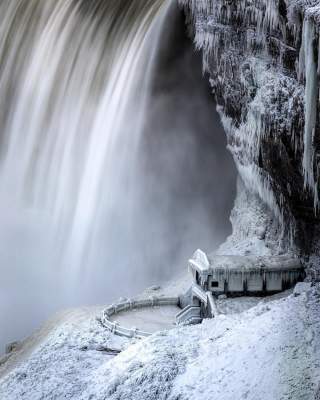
[190, 315]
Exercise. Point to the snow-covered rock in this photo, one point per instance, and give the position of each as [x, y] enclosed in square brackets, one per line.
[301, 287]
[263, 63]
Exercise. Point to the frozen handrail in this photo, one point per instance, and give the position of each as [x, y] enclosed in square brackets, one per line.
[200, 294]
[212, 305]
[128, 305]
[189, 315]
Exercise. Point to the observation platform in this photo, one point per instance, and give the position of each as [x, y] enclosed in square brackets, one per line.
[213, 276]
[142, 317]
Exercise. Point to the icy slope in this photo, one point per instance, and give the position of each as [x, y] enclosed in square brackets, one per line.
[269, 352]
[266, 353]
[60, 365]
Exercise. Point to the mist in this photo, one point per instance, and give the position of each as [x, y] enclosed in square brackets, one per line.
[172, 193]
[188, 185]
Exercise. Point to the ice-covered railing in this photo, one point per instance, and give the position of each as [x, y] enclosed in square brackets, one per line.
[131, 304]
[189, 315]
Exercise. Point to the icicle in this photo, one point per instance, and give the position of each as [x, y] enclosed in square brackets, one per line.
[302, 59]
[271, 19]
[311, 98]
[277, 97]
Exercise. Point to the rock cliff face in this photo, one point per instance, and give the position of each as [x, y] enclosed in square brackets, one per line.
[262, 58]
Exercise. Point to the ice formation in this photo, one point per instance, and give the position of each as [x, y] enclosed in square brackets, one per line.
[311, 96]
[262, 60]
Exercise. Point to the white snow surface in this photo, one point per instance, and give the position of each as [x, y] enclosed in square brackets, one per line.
[252, 230]
[270, 351]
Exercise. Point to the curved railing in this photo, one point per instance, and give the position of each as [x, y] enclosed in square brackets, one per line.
[131, 304]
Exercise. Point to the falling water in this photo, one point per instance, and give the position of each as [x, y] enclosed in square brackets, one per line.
[71, 126]
[76, 79]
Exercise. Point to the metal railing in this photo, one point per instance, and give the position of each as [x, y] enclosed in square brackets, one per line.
[200, 294]
[212, 306]
[207, 299]
[130, 304]
[189, 315]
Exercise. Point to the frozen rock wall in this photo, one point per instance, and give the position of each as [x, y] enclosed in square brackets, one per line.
[262, 58]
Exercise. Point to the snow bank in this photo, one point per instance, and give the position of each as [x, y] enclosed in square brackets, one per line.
[271, 351]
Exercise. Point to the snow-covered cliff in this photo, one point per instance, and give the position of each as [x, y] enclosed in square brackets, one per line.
[263, 63]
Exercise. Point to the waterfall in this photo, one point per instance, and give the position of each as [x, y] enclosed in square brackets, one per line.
[73, 84]
[105, 183]
[74, 80]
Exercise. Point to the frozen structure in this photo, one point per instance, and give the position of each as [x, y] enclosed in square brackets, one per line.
[215, 275]
[262, 58]
[130, 305]
[238, 275]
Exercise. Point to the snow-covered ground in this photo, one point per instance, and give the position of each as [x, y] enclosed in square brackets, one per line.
[271, 351]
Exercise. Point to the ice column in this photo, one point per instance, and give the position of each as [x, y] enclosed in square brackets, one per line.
[311, 99]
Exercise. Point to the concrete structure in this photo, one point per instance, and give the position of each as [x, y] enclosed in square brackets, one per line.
[245, 275]
[215, 275]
